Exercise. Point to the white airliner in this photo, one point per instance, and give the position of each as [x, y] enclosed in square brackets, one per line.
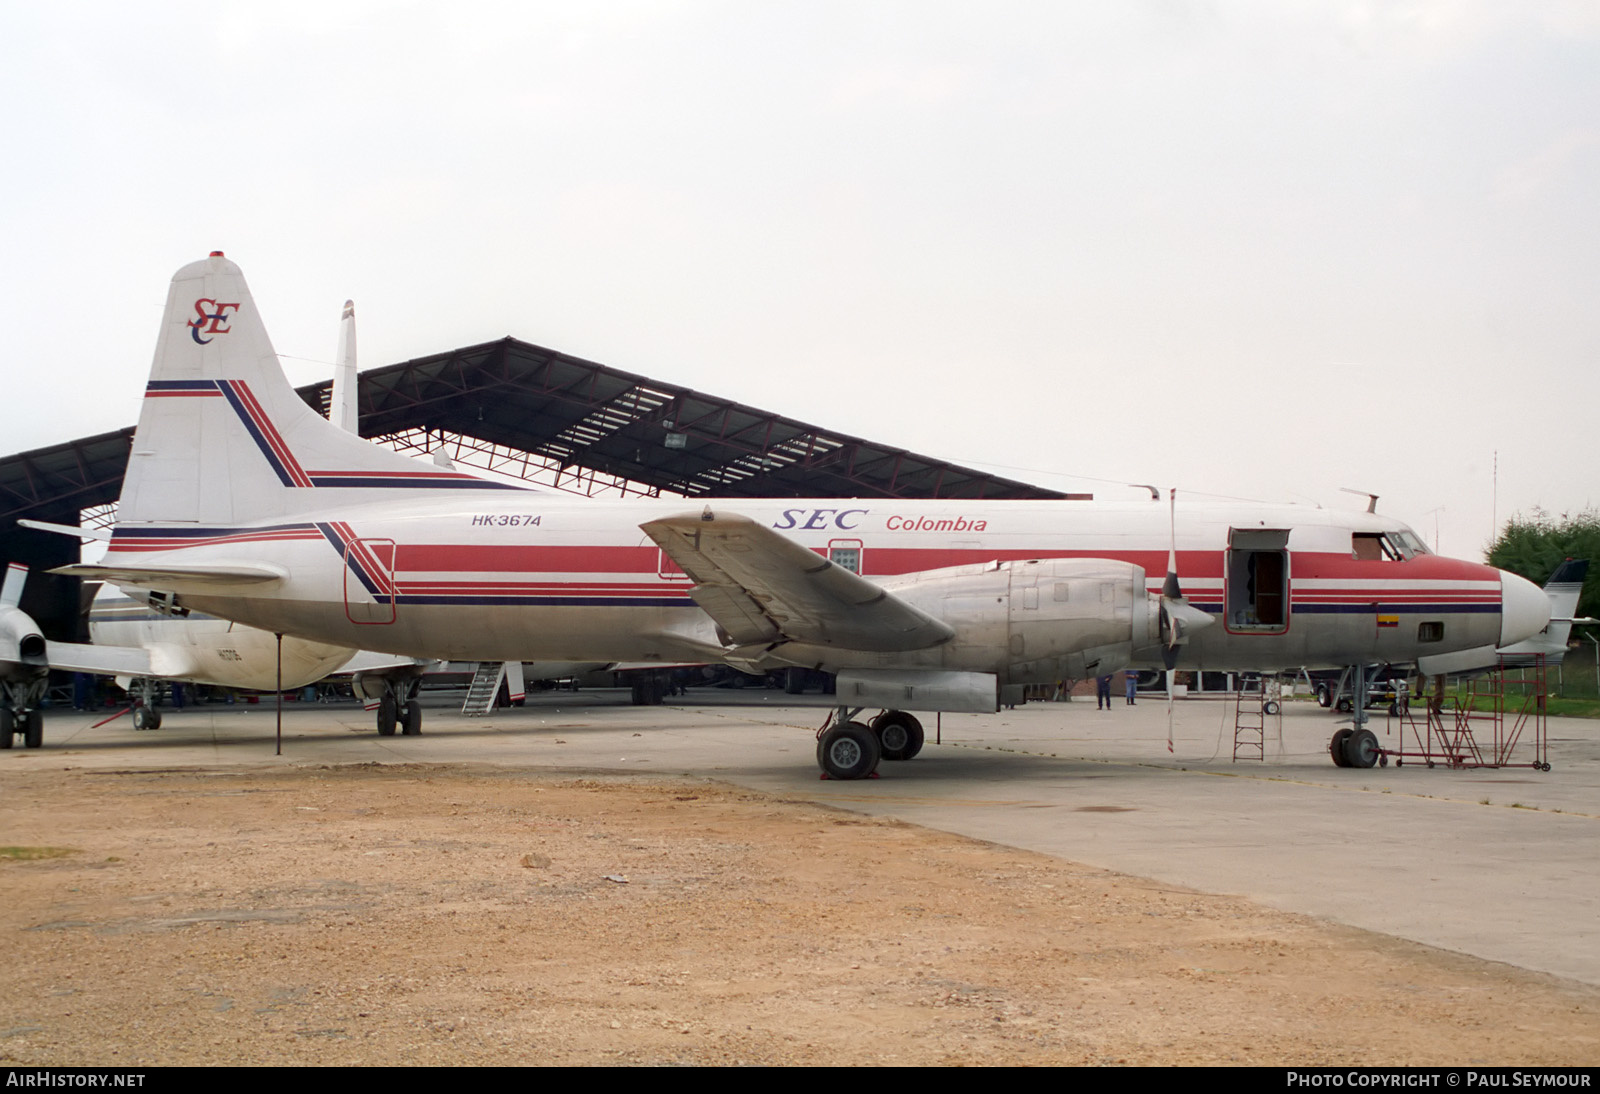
[250, 506]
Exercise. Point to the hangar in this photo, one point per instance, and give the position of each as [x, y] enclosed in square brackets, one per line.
[516, 409]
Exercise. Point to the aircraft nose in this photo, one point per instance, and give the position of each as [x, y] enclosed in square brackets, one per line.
[1524, 609]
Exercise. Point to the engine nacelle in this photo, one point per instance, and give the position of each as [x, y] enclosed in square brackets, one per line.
[20, 640]
[1039, 621]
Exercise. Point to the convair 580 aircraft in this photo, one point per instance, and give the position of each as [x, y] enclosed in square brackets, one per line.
[248, 505]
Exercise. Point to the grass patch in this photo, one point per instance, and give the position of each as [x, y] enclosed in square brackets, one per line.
[1554, 706]
[1573, 708]
[34, 854]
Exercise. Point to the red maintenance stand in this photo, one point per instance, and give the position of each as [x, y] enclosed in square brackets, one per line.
[1482, 726]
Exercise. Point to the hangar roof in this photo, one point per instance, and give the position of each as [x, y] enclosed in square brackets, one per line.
[54, 483]
[524, 410]
[598, 428]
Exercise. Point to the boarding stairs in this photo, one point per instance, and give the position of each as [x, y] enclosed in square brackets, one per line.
[485, 687]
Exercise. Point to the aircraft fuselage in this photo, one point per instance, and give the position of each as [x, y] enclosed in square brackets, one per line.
[513, 575]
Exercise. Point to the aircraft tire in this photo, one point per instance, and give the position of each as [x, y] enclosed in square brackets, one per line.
[899, 735]
[143, 718]
[1336, 746]
[1361, 749]
[1270, 707]
[849, 751]
[411, 719]
[33, 731]
[8, 727]
[388, 716]
[1324, 696]
[794, 681]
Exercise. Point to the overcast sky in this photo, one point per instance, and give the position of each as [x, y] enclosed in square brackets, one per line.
[1254, 249]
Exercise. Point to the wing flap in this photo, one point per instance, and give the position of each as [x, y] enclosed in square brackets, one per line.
[760, 586]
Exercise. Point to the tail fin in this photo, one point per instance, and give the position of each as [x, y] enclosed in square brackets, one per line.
[222, 436]
[1563, 588]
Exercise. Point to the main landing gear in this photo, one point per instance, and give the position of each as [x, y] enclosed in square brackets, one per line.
[28, 724]
[20, 715]
[398, 707]
[848, 749]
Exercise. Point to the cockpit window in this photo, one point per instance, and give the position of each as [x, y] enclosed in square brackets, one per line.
[1373, 547]
[1410, 544]
[1385, 546]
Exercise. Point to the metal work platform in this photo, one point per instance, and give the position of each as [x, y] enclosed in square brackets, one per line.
[1481, 726]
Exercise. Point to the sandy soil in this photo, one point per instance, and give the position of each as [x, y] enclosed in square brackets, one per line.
[463, 915]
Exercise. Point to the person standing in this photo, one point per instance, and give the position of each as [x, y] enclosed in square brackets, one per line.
[1102, 692]
[1132, 684]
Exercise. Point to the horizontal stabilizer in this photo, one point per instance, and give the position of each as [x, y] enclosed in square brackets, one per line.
[102, 660]
[762, 587]
[179, 578]
[102, 534]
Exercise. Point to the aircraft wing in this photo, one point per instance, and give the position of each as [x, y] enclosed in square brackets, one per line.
[177, 578]
[762, 587]
[102, 660]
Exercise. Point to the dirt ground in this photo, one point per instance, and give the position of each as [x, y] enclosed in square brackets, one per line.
[477, 915]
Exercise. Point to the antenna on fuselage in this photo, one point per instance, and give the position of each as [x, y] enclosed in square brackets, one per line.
[1372, 499]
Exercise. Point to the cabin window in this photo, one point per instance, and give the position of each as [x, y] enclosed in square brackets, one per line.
[1431, 631]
